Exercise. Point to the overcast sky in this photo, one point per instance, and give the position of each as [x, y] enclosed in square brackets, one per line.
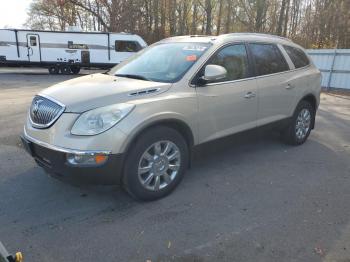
[13, 13]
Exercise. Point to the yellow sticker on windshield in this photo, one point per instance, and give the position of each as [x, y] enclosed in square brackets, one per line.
[191, 58]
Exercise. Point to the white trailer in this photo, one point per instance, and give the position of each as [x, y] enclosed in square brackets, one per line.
[66, 52]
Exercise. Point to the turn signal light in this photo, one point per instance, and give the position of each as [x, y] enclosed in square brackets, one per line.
[99, 159]
[86, 159]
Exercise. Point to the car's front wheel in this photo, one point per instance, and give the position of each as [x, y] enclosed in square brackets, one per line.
[155, 164]
[300, 125]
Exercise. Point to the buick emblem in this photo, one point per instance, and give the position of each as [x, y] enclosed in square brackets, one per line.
[36, 106]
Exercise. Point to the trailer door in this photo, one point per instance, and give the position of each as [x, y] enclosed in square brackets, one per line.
[33, 45]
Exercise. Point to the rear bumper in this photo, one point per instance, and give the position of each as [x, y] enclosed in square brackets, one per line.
[54, 161]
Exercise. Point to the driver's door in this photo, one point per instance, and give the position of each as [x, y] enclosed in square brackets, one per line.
[229, 105]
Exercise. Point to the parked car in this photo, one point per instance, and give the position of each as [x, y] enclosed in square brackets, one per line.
[137, 124]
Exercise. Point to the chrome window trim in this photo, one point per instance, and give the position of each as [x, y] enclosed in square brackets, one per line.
[42, 126]
[249, 78]
[63, 149]
[254, 77]
[231, 81]
[283, 72]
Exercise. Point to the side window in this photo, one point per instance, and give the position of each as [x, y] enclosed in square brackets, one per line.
[33, 40]
[127, 46]
[234, 59]
[72, 45]
[297, 56]
[268, 59]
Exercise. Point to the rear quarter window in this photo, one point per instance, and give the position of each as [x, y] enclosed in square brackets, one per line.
[298, 57]
[268, 59]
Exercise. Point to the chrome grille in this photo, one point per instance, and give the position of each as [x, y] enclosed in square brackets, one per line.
[44, 112]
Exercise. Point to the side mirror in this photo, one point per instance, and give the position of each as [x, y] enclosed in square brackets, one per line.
[214, 72]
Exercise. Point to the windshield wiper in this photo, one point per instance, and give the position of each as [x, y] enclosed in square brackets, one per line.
[133, 76]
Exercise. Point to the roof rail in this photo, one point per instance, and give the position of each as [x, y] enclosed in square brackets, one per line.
[258, 34]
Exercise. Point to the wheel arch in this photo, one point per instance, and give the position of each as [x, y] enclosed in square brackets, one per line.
[174, 123]
[177, 124]
[311, 98]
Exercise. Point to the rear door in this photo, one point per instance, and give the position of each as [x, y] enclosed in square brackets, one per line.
[228, 105]
[275, 82]
[33, 45]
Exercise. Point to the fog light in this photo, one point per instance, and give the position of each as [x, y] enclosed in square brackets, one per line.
[86, 159]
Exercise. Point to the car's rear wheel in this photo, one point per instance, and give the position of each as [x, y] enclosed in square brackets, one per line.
[155, 164]
[300, 125]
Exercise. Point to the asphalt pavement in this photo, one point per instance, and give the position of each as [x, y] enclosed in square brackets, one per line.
[250, 198]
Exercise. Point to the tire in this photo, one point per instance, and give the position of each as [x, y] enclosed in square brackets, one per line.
[65, 70]
[54, 70]
[292, 135]
[139, 165]
[75, 69]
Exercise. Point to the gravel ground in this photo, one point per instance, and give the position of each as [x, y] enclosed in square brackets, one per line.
[247, 198]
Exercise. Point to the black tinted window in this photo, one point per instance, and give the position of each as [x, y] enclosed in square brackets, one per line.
[234, 59]
[297, 56]
[33, 41]
[72, 45]
[127, 46]
[268, 59]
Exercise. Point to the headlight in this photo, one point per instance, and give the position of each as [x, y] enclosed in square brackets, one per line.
[98, 120]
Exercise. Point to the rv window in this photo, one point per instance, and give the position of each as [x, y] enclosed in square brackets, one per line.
[33, 40]
[71, 45]
[127, 46]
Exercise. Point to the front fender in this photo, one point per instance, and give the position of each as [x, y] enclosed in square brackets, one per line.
[183, 111]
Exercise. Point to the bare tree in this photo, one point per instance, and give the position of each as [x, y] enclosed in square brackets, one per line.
[312, 23]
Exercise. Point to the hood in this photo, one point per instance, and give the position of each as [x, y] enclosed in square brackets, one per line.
[97, 90]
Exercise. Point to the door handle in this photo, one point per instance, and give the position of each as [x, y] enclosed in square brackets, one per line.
[249, 95]
[30, 49]
[289, 86]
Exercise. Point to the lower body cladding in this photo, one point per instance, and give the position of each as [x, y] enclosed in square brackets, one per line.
[74, 165]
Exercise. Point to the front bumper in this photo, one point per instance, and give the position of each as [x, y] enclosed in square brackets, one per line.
[54, 161]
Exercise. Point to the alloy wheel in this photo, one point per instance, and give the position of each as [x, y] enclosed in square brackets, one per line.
[159, 165]
[303, 124]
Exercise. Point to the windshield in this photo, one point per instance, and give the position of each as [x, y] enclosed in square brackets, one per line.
[166, 62]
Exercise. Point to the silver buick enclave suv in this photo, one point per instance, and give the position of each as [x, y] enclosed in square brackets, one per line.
[137, 124]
